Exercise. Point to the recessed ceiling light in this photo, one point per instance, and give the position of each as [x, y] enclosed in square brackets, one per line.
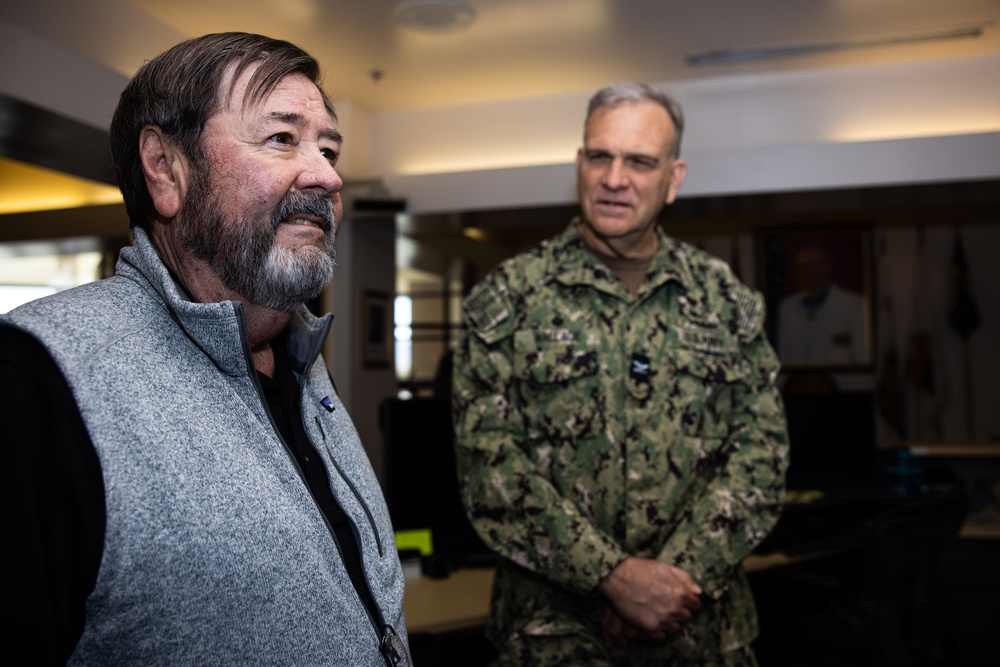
[434, 15]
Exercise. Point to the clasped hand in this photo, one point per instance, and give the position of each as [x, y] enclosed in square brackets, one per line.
[647, 600]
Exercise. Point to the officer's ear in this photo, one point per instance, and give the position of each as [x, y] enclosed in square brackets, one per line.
[679, 170]
[166, 169]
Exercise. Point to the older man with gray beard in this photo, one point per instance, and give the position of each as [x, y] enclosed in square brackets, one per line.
[182, 483]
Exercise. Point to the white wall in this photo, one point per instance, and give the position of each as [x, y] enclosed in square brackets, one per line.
[365, 261]
[870, 125]
[354, 122]
[35, 70]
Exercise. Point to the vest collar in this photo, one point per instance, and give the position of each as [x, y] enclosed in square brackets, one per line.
[219, 329]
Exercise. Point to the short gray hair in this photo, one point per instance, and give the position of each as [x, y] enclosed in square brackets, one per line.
[628, 91]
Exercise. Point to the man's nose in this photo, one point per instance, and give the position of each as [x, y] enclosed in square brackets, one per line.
[319, 173]
[615, 177]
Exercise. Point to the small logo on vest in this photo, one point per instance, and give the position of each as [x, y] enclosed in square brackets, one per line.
[328, 404]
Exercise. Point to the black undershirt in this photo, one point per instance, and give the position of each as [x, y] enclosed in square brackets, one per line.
[282, 395]
[52, 493]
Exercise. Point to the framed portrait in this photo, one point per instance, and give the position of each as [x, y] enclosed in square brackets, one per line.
[817, 282]
[376, 329]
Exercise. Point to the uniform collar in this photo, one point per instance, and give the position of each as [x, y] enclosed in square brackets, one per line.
[572, 263]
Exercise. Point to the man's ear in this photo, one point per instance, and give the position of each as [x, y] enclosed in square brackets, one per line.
[166, 170]
[679, 170]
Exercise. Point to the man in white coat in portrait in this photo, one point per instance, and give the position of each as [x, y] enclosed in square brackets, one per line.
[821, 323]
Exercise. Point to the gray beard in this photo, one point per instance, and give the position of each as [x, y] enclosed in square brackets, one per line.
[245, 257]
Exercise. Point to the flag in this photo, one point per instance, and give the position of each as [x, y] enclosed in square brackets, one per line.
[963, 316]
[963, 312]
[929, 392]
[734, 256]
[890, 394]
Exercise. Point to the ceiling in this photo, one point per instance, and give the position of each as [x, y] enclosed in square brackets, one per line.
[526, 48]
[518, 48]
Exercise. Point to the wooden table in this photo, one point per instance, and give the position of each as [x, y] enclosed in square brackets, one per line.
[459, 601]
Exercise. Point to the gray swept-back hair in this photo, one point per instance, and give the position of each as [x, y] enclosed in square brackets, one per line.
[628, 91]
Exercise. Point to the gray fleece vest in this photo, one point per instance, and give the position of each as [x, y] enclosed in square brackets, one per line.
[215, 552]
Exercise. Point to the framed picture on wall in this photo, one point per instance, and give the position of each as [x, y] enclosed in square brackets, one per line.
[376, 329]
[817, 282]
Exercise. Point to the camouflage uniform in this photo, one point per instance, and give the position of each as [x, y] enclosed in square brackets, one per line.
[572, 456]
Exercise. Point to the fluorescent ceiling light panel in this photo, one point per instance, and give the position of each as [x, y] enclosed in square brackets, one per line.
[792, 49]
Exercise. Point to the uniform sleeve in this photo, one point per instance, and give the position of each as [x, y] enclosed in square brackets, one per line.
[742, 503]
[517, 511]
[53, 506]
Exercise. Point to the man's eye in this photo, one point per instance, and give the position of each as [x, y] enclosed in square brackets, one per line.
[329, 154]
[643, 165]
[598, 157]
[282, 138]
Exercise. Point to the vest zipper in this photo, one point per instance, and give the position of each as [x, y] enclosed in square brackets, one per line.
[389, 641]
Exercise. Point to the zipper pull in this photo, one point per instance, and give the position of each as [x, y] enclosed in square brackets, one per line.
[392, 648]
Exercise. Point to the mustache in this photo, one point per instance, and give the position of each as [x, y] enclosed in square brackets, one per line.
[304, 203]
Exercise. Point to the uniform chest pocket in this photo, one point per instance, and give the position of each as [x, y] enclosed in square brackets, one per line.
[558, 385]
[540, 361]
[708, 384]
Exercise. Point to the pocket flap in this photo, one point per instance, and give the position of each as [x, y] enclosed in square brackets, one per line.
[551, 360]
[708, 352]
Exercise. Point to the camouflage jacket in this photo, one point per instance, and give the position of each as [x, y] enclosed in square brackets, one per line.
[593, 425]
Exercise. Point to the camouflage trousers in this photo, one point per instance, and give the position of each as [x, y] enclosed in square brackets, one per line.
[534, 623]
[584, 650]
